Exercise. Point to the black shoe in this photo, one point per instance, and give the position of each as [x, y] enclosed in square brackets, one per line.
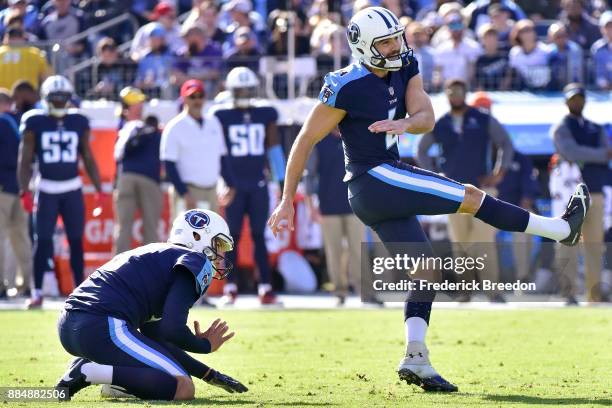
[430, 384]
[226, 382]
[73, 380]
[571, 301]
[575, 213]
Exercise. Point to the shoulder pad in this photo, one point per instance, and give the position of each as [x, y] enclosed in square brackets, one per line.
[337, 79]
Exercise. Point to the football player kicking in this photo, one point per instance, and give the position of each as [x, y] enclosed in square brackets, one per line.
[126, 323]
[251, 134]
[373, 101]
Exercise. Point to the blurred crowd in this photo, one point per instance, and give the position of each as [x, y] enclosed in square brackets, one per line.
[490, 44]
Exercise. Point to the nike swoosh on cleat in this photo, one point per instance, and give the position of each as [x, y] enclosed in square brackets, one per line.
[67, 377]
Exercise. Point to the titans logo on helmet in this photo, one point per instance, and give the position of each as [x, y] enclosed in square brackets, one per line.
[197, 219]
[353, 33]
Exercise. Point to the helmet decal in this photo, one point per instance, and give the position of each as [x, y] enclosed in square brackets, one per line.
[197, 219]
[353, 33]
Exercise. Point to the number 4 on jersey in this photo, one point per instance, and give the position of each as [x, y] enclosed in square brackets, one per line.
[391, 139]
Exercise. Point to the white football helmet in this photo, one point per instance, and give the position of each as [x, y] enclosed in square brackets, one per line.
[207, 232]
[56, 92]
[243, 85]
[373, 24]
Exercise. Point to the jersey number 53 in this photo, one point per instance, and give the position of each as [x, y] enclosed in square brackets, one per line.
[59, 146]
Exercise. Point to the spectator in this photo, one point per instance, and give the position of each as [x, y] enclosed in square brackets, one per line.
[578, 140]
[242, 15]
[13, 219]
[492, 68]
[418, 39]
[278, 26]
[110, 73]
[338, 223]
[191, 149]
[154, 69]
[440, 30]
[62, 23]
[245, 52]
[455, 58]
[529, 57]
[465, 136]
[24, 97]
[601, 53]
[500, 19]
[581, 27]
[20, 61]
[328, 38]
[138, 172]
[200, 58]
[164, 14]
[208, 16]
[100, 11]
[15, 19]
[29, 13]
[478, 12]
[565, 58]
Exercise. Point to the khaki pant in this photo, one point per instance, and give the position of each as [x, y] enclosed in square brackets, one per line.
[205, 197]
[14, 226]
[136, 192]
[343, 265]
[566, 258]
[465, 230]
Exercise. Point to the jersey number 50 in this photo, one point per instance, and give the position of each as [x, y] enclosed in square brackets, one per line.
[247, 139]
[59, 147]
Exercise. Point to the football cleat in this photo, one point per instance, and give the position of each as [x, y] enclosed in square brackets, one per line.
[227, 383]
[73, 379]
[34, 303]
[576, 212]
[416, 369]
[269, 299]
[114, 391]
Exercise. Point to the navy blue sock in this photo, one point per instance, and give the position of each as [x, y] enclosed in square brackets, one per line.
[145, 383]
[503, 215]
[418, 304]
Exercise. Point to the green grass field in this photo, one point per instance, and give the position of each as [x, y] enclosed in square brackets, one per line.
[347, 358]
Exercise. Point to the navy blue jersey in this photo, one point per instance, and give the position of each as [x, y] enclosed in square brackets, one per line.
[366, 99]
[133, 286]
[245, 137]
[57, 142]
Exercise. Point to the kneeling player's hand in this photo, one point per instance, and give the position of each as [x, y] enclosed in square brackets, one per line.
[215, 334]
[226, 382]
